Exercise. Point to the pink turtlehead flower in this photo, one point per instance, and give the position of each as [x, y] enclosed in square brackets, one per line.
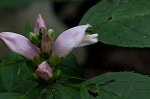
[39, 24]
[64, 44]
[72, 38]
[19, 44]
[44, 71]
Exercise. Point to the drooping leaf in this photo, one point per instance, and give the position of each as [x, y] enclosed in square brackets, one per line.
[119, 85]
[121, 22]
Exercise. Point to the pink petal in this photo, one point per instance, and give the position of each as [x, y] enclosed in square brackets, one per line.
[19, 44]
[68, 40]
[39, 24]
[44, 71]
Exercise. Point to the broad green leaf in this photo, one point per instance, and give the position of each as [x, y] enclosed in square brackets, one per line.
[70, 66]
[121, 22]
[119, 85]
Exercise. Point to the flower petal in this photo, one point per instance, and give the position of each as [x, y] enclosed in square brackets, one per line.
[44, 71]
[88, 40]
[39, 24]
[19, 44]
[68, 40]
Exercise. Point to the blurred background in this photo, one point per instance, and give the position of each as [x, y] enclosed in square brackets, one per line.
[63, 14]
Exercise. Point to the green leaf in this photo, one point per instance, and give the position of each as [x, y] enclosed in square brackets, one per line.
[8, 95]
[70, 66]
[24, 88]
[55, 91]
[16, 78]
[84, 93]
[119, 85]
[2, 88]
[28, 28]
[14, 74]
[6, 63]
[65, 92]
[121, 22]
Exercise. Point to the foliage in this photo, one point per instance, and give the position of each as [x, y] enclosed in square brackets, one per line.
[121, 22]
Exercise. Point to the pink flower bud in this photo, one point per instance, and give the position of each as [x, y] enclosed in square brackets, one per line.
[44, 71]
[19, 44]
[47, 43]
[39, 24]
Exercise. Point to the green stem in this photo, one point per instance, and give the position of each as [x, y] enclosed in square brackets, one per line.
[2, 64]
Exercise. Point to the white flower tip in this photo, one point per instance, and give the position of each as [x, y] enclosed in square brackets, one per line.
[39, 16]
[93, 38]
[89, 39]
[44, 71]
[88, 25]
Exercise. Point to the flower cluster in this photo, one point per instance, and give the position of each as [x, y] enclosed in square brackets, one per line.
[41, 44]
